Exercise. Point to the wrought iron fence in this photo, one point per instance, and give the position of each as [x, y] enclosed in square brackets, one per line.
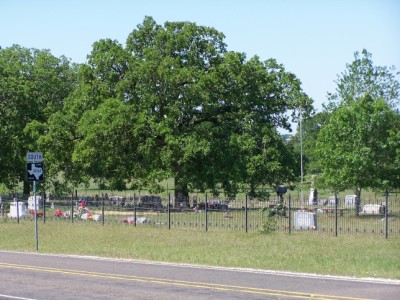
[287, 214]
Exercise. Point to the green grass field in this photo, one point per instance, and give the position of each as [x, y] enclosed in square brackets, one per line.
[350, 255]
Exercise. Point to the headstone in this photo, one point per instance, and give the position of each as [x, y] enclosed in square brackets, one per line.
[21, 210]
[31, 202]
[304, 220]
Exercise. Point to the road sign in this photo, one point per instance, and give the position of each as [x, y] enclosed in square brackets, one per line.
[34, 157]
[34, 172]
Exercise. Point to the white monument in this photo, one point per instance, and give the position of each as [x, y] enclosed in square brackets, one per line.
[31, 202]
[14, 213]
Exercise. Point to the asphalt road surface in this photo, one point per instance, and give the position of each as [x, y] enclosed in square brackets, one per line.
[41, 276]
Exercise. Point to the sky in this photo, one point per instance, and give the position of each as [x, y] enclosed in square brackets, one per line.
[312, 39]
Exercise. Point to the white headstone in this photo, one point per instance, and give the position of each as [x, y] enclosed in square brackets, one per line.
[304, 220]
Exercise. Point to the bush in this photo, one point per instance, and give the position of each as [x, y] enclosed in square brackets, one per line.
[269, 225]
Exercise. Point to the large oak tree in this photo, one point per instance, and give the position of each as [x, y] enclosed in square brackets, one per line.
[175, 103]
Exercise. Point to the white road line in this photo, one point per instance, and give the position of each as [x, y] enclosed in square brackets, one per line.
[2, 296]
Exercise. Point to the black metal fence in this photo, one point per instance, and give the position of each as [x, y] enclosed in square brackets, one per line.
[332, 216]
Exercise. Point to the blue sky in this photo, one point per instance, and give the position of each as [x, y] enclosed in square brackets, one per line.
[312, 39]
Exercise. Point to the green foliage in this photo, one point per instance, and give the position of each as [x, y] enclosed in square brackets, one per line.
[354, 142]
[175, 103]
[269, 224]
[359, 146]
[33, 86]
[361, 78]
[3, 189]
[279, 210]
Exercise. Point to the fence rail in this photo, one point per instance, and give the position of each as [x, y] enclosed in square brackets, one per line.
[379, 216]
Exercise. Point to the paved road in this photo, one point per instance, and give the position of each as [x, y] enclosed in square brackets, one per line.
[40, 276]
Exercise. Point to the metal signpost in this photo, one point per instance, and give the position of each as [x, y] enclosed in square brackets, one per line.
[35, 173]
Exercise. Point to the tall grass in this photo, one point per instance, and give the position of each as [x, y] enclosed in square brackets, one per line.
[359, 255]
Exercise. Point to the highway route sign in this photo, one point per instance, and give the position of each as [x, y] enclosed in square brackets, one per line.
[34, 172]
[34, 157]
[34, 166]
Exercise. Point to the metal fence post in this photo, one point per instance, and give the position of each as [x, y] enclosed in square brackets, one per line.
[245, 212]
[16, 197]
[72, 210]
[44, 205]
[102, 208]
[336, 220]
[290, 219]
[36, 216]
[169, 211]
[205, 208]
[386, 213]
[1, 208]
[134, 209]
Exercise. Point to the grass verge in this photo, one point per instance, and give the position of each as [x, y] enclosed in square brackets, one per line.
[349, 255]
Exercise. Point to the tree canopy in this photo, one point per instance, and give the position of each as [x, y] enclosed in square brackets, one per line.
[361, 77]
[175, 103]
[347, 142]
[359, 146]
[33, 86]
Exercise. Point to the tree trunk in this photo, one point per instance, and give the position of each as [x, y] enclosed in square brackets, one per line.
[181, 192]
[358, 202]
[26, 188]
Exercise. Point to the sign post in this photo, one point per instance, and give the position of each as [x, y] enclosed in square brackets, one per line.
[34, 168]
[36, 216]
